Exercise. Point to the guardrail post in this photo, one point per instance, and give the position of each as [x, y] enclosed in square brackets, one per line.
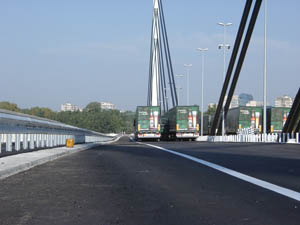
[17, 142]
[50, 141]
[297, 137]
[8, 143]
[53, 140]
[0, 144]
[56, 140]
[37, 140]
[25, 141]
[42, 140]
[31, 141]
[47, 140]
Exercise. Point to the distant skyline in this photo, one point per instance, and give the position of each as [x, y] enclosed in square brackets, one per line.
[53, 52]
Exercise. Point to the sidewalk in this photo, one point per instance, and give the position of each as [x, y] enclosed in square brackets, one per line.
[14, 164]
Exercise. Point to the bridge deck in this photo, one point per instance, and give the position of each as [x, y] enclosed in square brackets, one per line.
[130, 183]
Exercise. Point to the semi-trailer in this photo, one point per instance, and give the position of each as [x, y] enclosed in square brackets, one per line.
[147, 123]
[244, 117]
[181, 122]
[277, 118]
[247, 117]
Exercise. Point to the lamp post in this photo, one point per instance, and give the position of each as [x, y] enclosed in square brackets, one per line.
[177, 86]
[265, 74]
[224, 46]
[188, 66]
[202, 50]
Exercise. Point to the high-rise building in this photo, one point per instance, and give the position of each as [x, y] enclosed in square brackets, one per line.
[244, 98]
[255, 103]
[69, 107]
[107, 106]
[284, 101]
[234, 101]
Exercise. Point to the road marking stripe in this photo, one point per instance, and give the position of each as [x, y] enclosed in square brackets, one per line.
[272, 187]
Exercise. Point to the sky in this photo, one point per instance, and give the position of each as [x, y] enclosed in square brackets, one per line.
[79, 51]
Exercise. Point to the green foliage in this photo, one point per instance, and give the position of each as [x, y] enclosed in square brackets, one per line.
[93, 107]
[211, 110]
[9, 106]
[92, 117]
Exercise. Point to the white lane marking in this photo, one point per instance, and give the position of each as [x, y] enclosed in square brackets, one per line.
[272, 187]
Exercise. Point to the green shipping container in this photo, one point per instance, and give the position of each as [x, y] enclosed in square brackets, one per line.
[278, 118]
[182, 122]
[147, 122]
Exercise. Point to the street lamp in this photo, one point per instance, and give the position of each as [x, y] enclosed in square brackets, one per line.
[202, 50]
[188, 66]
[265, 75]
[178, 88]
[224, 46]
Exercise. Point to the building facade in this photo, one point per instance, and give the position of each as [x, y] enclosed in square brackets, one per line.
[107, 106]
[234, 101]
[244, 99]
[284, 101]
[255, 103]
[68, 107]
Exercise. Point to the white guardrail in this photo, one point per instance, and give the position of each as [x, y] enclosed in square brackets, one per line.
[293, 138]
[19, 132]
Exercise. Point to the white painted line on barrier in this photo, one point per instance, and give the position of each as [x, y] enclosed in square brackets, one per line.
[272, 187]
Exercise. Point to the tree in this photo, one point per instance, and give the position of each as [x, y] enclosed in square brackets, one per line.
[92, 118]
[211, 110]
[93, 107]
[9, 106]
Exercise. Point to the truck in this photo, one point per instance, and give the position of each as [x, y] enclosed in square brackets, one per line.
[244, 117]
[277, 118]
[147, 123]
[181, 122]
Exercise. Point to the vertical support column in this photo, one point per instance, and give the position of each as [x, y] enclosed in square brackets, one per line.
[37, 140]
[47, 140]
[0, 144]
[17, 143]
[52, 140]
[31, 141]
[56, 140]
[25, 141]
[42, 140]
[8, 142]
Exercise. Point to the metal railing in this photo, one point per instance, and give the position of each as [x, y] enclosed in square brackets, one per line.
[293, 138]
[20, 132]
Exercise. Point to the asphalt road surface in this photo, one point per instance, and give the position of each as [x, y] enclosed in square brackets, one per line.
[132, 183]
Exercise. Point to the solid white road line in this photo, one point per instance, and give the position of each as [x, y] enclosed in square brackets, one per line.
[272, 187]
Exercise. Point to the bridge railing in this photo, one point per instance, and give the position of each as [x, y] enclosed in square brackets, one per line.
[293, 138]
[20, 132]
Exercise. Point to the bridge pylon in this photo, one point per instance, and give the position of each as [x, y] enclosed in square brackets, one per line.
[160, 65]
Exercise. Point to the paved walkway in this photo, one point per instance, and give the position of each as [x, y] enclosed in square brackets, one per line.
[14, 164]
